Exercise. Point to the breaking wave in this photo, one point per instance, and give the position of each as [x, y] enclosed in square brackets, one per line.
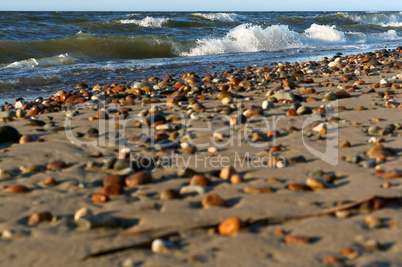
[225, 17]
[147, 22]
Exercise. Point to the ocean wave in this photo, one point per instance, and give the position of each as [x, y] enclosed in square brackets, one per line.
[325, 33]
[62, 59]
[380, 19]
[147, 22]
[224, 17]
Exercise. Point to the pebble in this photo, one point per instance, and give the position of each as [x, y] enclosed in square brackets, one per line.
[212, 149]
[4, 174]
[36, 123]
[57, 164]
[345, 144]
[201, 180]
[230, 226]
[17, 189]
[227, 172]
[113, 179]
[316, 183]
[40, 217]
[256, 190]
[139, 178]
[99, 198]
[83, 212]
[292, 239]
[212, 200]
[236, 179]
[192, 189]
[298, 187]
[11, 234]
[25, 139]
[267, 105]
[169, 194]
[373, 222]
[113, 189]
[162, 246]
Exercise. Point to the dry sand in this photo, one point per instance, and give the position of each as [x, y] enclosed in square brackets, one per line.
[61, 242]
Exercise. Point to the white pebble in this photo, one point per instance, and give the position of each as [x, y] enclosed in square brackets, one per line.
[192, 189]
[83, 212]
[162, 246]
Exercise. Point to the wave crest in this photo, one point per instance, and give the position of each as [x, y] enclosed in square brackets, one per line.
[146, 22]
[225, 17]
[325, 33]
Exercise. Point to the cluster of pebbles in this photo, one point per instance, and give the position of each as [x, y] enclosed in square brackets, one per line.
[86, 162]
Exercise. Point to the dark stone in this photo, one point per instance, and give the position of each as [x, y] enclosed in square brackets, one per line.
[9, 134]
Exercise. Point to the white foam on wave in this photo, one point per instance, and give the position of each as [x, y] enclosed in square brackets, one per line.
[390, 35]
[248, 38]
[146, 22]
[62, 59]
[225, 17]
[325, 33]
[380, 19]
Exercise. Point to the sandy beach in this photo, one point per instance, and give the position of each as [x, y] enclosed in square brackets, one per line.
[305, 159]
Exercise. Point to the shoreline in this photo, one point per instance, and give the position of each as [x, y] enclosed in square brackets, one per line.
[82, 177]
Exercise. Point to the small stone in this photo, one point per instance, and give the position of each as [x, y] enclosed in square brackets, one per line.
[162, 246]
[303, 110]
[17, 189]
[236, 179]
[11, 234]
[349, 253]
[256, 190]
[139, 178]
[297, 159]
[99, 198]
[201, 180]
[4, 174]
[345, 144]
[375, 149]
[298, 187]
[316, 183]
[267, 104]
[211, 200]
[230, 226]
[25, 139]
[291, 239]
[121, 164]
[392, 174]
[342, 214]
[113, 179]
[113, 189]
[36, 123]
[40, 217]
[50, 181]
[169, 194]
[373, 222]
[227, 172]
[83, 212]
[373, 130]
[190, 150]
[330, 259]
[212, 149]
[192, 189]
[57, 164]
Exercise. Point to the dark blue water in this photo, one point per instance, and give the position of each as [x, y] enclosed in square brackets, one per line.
[57, 49]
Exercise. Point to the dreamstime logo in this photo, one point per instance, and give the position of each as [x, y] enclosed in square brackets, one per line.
[234, 133]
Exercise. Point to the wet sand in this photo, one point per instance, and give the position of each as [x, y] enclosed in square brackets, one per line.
[304, 217]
